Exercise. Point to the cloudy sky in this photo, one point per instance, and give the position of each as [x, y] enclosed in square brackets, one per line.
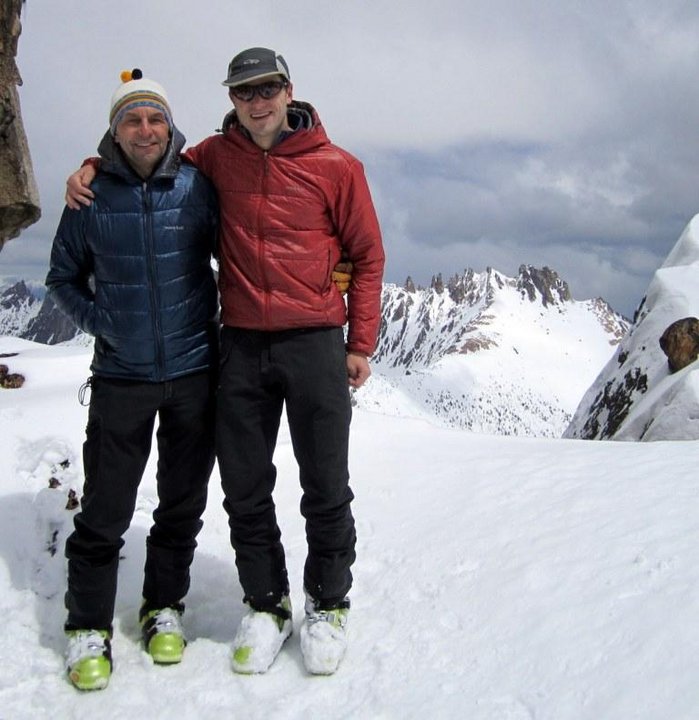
[493, 132]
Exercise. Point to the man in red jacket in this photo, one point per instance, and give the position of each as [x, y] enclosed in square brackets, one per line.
[291, 203]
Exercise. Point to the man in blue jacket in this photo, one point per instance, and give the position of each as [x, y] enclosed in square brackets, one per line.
[134, 270]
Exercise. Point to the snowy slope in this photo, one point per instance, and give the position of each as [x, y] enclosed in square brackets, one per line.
[498, 578]
[483, 351]
[635, 397]
[490, 353]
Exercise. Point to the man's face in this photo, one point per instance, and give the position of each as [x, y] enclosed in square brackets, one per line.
[143, 134]
[264, 118]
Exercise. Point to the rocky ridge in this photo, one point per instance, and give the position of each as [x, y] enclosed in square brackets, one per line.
[490, 353]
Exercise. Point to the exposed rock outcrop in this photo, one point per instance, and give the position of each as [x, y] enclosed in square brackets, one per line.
[544, 284]
[680, 342]
[10, 380]
[19, 196]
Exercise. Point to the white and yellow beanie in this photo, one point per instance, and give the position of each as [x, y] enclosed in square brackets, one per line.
[137, 91]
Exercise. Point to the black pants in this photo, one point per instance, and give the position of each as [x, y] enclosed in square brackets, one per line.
[119, 432]
[260, 371]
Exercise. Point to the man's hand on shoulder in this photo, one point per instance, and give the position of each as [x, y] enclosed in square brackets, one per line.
[78, 191]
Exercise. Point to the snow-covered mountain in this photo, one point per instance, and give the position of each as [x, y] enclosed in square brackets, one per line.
[635, 397]
[490, 353]
[26, 312]
[19, 305]
[482, 351]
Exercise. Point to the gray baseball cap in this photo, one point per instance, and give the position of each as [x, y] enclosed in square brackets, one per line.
[255, 64]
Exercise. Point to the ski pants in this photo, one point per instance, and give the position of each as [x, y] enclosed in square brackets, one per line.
[259, 373]
[118, 441]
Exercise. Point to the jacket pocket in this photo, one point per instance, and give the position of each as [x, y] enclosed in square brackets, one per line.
[301, 275]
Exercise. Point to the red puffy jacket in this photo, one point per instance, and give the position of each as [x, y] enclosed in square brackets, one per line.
[286, 215]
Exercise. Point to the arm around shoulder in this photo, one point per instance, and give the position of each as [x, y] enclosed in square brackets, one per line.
[78, 191]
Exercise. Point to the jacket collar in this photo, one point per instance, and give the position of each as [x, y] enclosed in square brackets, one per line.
[301, 115]
[114, 162]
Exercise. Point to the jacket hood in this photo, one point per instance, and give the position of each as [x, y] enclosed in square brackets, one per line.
[114, 161]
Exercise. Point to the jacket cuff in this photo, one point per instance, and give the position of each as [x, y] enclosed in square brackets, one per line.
[359, 348]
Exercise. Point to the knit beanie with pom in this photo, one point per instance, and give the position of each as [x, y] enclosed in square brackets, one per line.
[137, 91]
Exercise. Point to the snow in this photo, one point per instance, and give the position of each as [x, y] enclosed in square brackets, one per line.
[664, 406]
[258, 641]
[498, 578]
[487, 357]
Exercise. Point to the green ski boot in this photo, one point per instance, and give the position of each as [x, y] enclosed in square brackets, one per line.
[89, 659]
[162, 633]
[260, 637]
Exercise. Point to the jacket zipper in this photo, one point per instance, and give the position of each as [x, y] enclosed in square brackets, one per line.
[152, 281]
[261, 243]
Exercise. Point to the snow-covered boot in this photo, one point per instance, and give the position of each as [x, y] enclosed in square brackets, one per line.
[260, 637]
[163, 636]
[324, 635]
[89, 658]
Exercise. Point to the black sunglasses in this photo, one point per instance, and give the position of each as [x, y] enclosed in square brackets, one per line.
[266, 90]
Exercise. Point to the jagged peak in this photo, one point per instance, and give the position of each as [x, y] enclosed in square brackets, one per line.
[437, 283]
[17, 294]
[18, 288]
[536, 284]
[544, 283]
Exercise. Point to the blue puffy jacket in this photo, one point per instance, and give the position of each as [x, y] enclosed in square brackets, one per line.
[134, 269]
